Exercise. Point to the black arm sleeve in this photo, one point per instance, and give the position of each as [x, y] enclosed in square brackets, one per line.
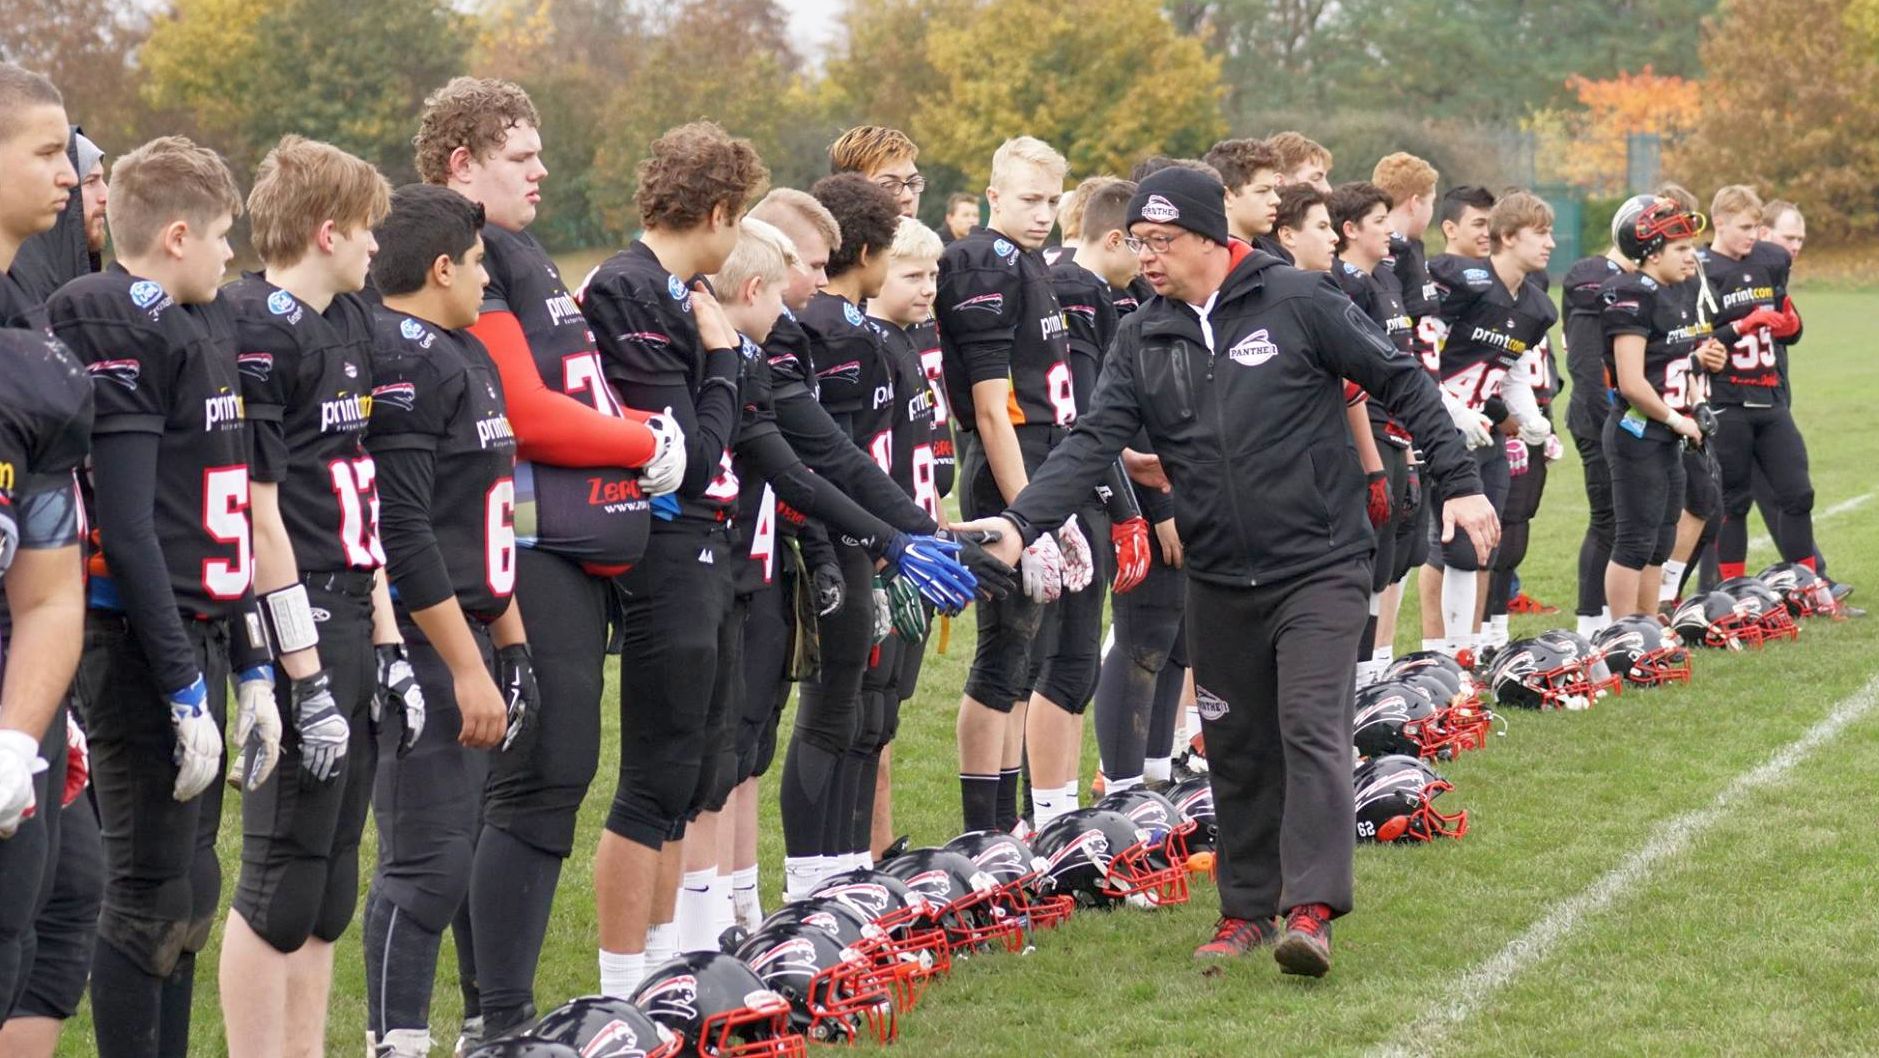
[124, 468]
[771, 457]
[715, 411]
[817, 548]
[413, 560]
[1116, 494]
[828, 451]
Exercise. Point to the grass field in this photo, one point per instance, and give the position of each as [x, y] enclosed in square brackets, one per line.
[1690, 912]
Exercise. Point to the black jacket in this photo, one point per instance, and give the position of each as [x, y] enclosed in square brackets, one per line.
[1251, 431]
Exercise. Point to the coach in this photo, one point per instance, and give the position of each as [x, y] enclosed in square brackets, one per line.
[1234, 369]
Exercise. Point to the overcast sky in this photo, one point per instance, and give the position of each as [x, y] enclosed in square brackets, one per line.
[813, 24]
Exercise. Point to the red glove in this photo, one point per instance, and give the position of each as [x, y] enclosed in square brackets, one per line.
[1378, 506]
[1790, 324]
[77, 761]
[1131, 539]
[1759, 318]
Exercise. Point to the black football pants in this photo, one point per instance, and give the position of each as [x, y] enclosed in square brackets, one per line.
[1766, 438]
[1595, 551]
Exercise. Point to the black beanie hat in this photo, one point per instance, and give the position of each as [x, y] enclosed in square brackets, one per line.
[1186, 198]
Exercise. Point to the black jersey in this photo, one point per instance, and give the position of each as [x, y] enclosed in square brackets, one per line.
[1759, 280]
[161, 368]
[1378, 295]
[756, 500]
[854, 376]
[45, 433]
[597, 516]
[306, 378]
[915, 429]
[926, 344]
[1667, 319]
[1590, 399]
[17, 308]
[999, 319]
[1134, 296]
[1422, 298]
[1487, 329]
[1089, 316]
[650, 349]
[446, 460]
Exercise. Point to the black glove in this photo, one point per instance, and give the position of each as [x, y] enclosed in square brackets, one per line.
[996, 580]
[515, 676]
[1412, 490]
[829, 587]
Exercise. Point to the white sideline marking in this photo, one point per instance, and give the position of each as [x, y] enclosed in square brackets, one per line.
[1475, 988]
[1757, 543]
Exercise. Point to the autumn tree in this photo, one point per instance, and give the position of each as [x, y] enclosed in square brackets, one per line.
[1587, 147]
[86, 50]
[1791, 104]
[1104, 83]
[352, 74]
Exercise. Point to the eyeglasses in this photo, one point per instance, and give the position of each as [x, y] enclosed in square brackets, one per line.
[914, 184]
[1157, 243]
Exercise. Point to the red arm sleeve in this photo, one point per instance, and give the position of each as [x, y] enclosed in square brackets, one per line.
[552, 427]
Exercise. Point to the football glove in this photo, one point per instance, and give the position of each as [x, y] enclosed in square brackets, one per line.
[19, 762]
[77, 761]
[1412, 490]
[1475, 427]
[1130, 537]
[883, 625]
[933, 564]
[398, 688]
[1554, 449]
[996, 580]
[515, 676]
[1079, 566]
[257, 728]
[1043, 569]
[1759, 318]
[1517, 455]
[666, 469]
[198, 741]
[1790, 320]
[906, 610]
[323, 731]
[1377, 506]
[1535, 431]
[829, 588]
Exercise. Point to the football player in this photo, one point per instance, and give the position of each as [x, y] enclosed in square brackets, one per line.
[587, 467]
[1361, 214]
[170, 504]
[1008, 378]
[1065, 658]
[1755, 424]
[305, 357]
[1302, 160]
[1410, 183]
[1586, 410]
[445, 459]
[1656, 340]
[40, 177]
[1250, 171]
[1697, 526]
[1494, 319]
[962, 215]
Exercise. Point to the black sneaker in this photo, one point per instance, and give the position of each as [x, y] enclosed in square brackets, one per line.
[1234, 937]
[1306, 946]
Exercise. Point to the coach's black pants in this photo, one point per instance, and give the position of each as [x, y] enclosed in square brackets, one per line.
[1277, 664]
[1765, 438]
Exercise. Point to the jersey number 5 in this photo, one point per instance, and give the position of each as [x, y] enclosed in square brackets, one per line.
[225, 519]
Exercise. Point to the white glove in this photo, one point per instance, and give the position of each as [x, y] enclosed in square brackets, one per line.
[1079, 568]
[19, 762]
[1043, 569]
[198, 749]
[883, 612]
[1476, 428]
[257, 728]
[1554, 449]
[666, 469]
[324, 733]
[1536, 431]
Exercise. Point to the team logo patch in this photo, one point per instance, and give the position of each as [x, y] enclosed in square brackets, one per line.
[851, 314]
[123, 372]
[649, 337]
[145, 293]
[257, 366]
[1212, 706]
[675, 998]
[849, 372]
[352, 370]
[749, 349]
[281, 303]
[400, 395]
[616, 1039]
[1475, 275]
[1160, 210]
[1004, 248]
[676, 287]
[993, 302]
[1253, 350]
[411, 329]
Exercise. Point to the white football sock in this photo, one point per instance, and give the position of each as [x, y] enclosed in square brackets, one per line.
[695, 913]
[1116, 786]
[800, 875]
[1157, 769]
[1673, 576]
[1590, 626]
[1438, 646]
[1383, 656]
[662, 942]
[746, 905]
[621, 972]
[1458, 602]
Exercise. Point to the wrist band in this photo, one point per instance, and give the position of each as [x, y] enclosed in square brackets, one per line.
[290, 619]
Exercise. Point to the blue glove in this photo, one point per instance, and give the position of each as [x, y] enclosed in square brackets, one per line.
[933, 566]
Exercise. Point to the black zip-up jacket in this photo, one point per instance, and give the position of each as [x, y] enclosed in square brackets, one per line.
[1251, 427]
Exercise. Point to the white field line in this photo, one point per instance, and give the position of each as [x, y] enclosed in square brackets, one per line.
[1762, 541]
[1476, 988]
